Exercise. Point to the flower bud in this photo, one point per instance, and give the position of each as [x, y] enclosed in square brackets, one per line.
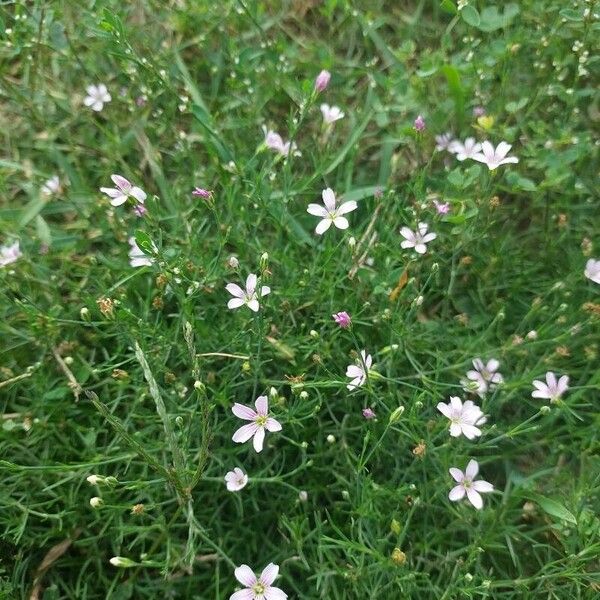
[303, 496]
[395, 416]
[84, 313]
[198, 385]
[233, 262]
[398, 557]
[264, 261]
[322, 80]
[303, 395]
[419, 123]
[121, 561]
[96, 502]
[395, 527]
[331, 439]
[313, 333]
[273, 394]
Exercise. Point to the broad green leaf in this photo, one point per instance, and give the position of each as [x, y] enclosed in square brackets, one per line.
[143, 240]
[470, 16]
[449, 7]
[554, 508]
[43, 231]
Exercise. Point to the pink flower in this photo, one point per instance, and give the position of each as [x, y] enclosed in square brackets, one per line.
[123, 191]
[236, 480]
[368, 413]
[342, 319]
[478, 111]
[275, 142]
[419, 123]
[202, 193]
[467, 486]
[10, 254]
[443, 208]
[552, 389]
[139, 210]
[136, 257]
[97, 96]
[468, 149]
[322, 80]
[464, 418]
[443, 141]
[494, 157]
[417, 239]
[359, 371]
[331, 114]
[260, 422]
[329, 213]
[485, 377]
[249, 297]
[260, 588]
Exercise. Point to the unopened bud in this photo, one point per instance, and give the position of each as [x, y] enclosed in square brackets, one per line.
[264, 261]
[395, 527]
[121, 561]
[96, 502]
[313, 333]
[198, 385]
[233, 262]
[273, 394]
[303, 395]
[398, 557]
[303, 496]
[395, 416]
[84, 313]
[331, 439]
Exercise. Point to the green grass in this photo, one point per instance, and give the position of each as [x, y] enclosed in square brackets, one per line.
[144, 394]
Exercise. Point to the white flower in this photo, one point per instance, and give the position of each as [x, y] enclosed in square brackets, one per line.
[463, 150]
[331, 114]
[123, 191]
[260, 422]
[260, 588]
[236, 480]
[275, 142]
[358, 372]
[444, 141]
[248, 297]
[136, 257]
[592, 270]
[484, 377]
[9, 254]
[493, 158]
[417, 239]
[96, 502]
[467, 486]
[329, 213]
[97, 95]
[50, 186]
[552, 389]
[464, 418]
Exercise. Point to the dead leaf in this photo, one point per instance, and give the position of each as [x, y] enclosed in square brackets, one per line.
[401, 283]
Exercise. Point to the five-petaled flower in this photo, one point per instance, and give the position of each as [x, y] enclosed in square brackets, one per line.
[9, 254]
[417, 239]
[249, 296]
[261, 421]
[236, 480]
[258, 588]
[484, 376]
[97, 96]
[552, 389]
[342, 319]
[463, 150]
[464, 418]
[329, 213]
[466, 485]
[275, 142]
[331, 114]
[358, 372]
[136, 257]
[592, 270]
[494, 157]
[443, 141]
[124, 190]
[443, 208]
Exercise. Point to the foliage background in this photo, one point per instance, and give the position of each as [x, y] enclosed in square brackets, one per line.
[192, 83]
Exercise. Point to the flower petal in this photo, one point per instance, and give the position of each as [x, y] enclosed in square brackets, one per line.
[245, 594]
[259, 439]
[456, 493]
[250, 284]
[444, 409]
[273, 425]
[269, 574]
[347, 207]
[472, 469]
[474, 498]
[245, 575]
[123, 184]
[253, 305]
[483, 486]
[235, 290]
[139, 194]
[323, 226]
[235, 303]
[262, 405]
[341, 223]
[243, 412]
[274, 593]
[317, 210]
[328, 199]
[456, 474]
[119, 200]
[244, 433]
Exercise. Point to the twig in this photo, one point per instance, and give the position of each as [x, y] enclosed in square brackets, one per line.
[73, 383]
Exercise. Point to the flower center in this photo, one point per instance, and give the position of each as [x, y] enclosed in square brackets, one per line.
[258, 588]
[261, 420]
[467, 483]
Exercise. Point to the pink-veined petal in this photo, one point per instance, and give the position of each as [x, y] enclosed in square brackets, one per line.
[269, 574]
[245, 594]
[408, 234]
[429, 237]
[111, 192]
[542, 393]
[243, 412]
[563, 384]
[273, 425]
[482, 486]
[456, 474]
[245, 575]
[472, 469]
[328, 199]
[470, 431]
[274, 593]
[262, 405]
[123, 184]
[347, 207]
[253, 305]
[235, 303]
[264, 290]
[119, 200]
[250, 284]
[551, 379]
[474, 498]
[456, 493]
[235, 290]
[444, 409]
[259, 439]
[354, 371]
[341, 223]
[540, 385]
[323, 226]
[139, 194]
[488, 150]
[244, 433]
[407, 244]
[317, 210]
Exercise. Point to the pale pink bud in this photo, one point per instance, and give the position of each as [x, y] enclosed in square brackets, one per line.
[443, 208]
[419, 123]
[202, 193]
[368, 413]
[140, 210]
[322, 80]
